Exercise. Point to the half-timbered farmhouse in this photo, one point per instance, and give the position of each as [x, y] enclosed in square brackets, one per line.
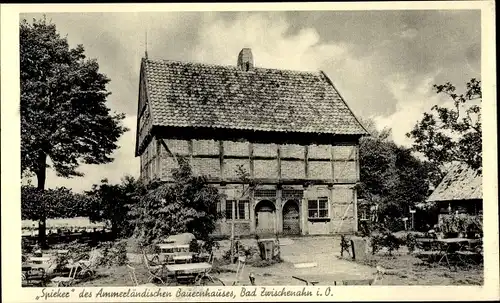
[291, 131]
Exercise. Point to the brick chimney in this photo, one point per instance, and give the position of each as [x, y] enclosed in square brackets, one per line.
[245, 59]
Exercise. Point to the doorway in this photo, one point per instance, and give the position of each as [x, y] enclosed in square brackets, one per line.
[265, 217]
[291, 218]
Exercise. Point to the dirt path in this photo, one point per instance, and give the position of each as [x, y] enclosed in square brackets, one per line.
[321, 252]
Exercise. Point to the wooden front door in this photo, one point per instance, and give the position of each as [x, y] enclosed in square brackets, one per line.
[265, 214]
[291, 218]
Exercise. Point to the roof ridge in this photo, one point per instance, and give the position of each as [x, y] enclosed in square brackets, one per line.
[322, 73]
[316, 72]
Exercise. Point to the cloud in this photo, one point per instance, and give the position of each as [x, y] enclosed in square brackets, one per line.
[273, 46]
[414, 97]
[221, 41]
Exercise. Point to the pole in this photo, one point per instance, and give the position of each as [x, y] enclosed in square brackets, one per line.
[233, 215]
[413, 221]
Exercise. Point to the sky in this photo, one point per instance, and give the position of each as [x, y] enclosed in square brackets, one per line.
[383, 63]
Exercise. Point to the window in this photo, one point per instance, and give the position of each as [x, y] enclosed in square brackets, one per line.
[318, 208]
[241, 211]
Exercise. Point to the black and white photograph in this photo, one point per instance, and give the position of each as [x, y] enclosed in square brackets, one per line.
[249, 154]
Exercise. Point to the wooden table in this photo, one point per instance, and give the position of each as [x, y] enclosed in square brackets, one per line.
[40, 260]
[172, 247]
[35, 273]
[182, 258]
[201, 268]
[450, 246]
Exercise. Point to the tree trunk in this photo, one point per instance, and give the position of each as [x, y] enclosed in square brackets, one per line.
[115, 231]
[41, 176]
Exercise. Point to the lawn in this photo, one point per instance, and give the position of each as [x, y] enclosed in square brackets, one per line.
[405, 269]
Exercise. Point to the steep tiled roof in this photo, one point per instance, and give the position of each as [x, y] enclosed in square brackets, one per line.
[201, 95]
[460, 183]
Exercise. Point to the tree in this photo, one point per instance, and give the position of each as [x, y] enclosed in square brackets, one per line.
[60, 202]
[63, 112]
[112, 203]
[188, 204]
[391, 176]
[448, 134]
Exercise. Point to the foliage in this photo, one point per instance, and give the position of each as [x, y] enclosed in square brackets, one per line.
[210, 244]
[385, 239]
[376, 243]
[60, 202]
[113, 254]
[448, 134]
[364, 229]
[461, 223]
[391, 177]
[239, 250]
[189, 204]
[194, 246]
[63, 111]
[113, 202]
[411, 242]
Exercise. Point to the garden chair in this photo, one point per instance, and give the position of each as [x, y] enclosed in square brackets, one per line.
[66, 281]
[89, 266]
[251, 276]
[133, 277]
[305, 281]
[345, 245]
[372, 281]
[154, 270]
[155, 260]
[239, 269]
[35, 277]
[202, 278]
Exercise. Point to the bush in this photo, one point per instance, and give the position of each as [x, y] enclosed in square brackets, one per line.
[411, 242]
[391, 242]
[114, 254]
[376, 243]
[385, 239]
[365, 228]
[461, 223]
[189, 204]
[210, 244]
[194, 246]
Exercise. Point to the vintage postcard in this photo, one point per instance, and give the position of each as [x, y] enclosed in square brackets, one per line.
[260, 152]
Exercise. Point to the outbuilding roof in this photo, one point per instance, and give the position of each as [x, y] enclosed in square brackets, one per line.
[460, 183]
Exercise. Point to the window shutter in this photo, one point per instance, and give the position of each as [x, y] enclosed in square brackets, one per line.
[247, 210]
